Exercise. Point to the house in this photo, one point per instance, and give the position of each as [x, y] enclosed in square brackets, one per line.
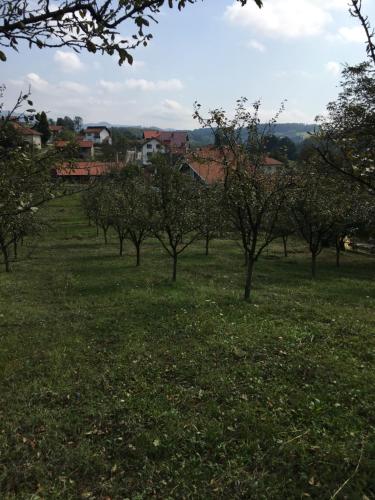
[29, 135]
[98, 135]
[160, 141]
[84, 171]
[150, 148]
[207, 165]
[85, 148]
[55, 130]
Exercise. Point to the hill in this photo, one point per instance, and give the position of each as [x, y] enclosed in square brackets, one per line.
[297, 132]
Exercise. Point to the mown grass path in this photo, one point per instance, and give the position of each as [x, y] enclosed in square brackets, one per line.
[116, 383]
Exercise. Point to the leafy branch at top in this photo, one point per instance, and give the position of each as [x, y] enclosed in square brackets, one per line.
[82, 24]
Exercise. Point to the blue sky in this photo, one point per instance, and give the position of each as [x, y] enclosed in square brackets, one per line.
[213, 52]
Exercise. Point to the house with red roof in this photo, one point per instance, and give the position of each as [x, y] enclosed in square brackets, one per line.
[55, 130]
[98, 135]
[208, 164]
[85, 149]
[160, 141]
[29, 135]
[84, 171]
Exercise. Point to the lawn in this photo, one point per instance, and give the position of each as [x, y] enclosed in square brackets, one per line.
[116, 383]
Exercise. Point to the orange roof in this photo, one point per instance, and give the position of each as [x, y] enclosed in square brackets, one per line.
[80, 143]
[151, 134]
[55, 128]
[209, 163]
[173, 139]
[271, 161]
[85, 144]
[84, 168]
[24, 130]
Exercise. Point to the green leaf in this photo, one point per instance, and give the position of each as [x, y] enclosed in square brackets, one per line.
[3, 57]
[90, 46]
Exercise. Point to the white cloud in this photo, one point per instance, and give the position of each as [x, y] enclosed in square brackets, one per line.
[36, 82]
[142, 84]
[111, 86]
[333, 67]
[96, 102]
[171, 105]
[68, 61]
[286, 18]
[254, 44]
[170, 113]
[74, 87]
[146, 85]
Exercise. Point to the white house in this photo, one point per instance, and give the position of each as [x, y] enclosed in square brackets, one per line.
[150, 148]
[29, 135]
[98, 135]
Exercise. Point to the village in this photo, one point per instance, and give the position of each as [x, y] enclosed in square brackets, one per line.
[204, 164]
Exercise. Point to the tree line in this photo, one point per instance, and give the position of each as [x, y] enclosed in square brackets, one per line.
[251, 205]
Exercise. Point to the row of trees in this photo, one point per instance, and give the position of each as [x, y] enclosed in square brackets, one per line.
[26, 183]
[250, 205]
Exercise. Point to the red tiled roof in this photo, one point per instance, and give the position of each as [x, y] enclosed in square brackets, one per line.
[175, 139]
[81, 143]
[24, 130]
[208, 163]
[56, 128]
[84, 169]
[269, 162]
[151, 134]
[85, 144]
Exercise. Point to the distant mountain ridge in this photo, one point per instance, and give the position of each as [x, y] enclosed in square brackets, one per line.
[297, 132]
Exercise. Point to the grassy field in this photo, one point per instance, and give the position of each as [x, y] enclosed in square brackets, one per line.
[116, 383]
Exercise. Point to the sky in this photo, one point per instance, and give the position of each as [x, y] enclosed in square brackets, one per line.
[212, 52]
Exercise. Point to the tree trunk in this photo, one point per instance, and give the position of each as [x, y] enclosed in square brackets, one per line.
[121, 245]
[285, 241]
[97, 230]
[313, 265]
[15, 249]
[249, 276]
[138, 249]
[4, 250]
[207, 243]
[246, 260]
[174, 275]
[105, 235]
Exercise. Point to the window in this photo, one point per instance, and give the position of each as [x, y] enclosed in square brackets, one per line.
[149, 146]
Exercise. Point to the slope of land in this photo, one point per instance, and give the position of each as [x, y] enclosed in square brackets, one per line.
[116, 383]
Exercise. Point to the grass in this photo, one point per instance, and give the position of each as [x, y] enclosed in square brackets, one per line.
[116, 383]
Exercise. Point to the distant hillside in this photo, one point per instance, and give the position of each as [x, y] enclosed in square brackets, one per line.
[297, 132]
